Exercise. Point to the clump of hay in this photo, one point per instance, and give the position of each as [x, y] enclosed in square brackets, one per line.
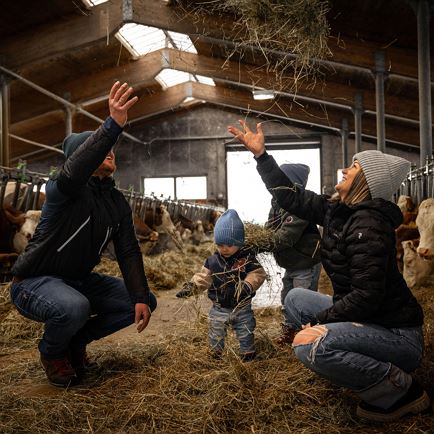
[259, 238]
[290, 34]
[173, 385]
[171, 269]
[166, 270]
[15, 330]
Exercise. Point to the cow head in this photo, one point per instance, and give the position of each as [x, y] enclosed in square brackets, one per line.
[425, 224]
[406, 204]
[26, 231]
[416, 270]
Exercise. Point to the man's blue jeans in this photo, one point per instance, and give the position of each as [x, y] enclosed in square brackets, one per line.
[75, 312]
[242, 321]
[373, 361]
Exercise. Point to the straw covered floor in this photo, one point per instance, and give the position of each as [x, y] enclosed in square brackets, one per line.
[164, 380]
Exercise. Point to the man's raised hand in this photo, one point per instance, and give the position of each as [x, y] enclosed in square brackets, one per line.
[120, 102]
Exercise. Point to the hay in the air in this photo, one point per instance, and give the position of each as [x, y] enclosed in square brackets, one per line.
[290, 35]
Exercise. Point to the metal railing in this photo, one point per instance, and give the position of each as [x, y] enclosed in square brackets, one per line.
[419, 184]
[140, 202]
[21, 188]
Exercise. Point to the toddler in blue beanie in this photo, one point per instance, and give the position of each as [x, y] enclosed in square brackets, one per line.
[231, 276]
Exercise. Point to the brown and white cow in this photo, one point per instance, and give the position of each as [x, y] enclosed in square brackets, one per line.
[406, 204]
[23, 191]
[26, 231]
[11, 221]
[143, 231]
[404, 232]
[425, 224]
[168, 227]
[417, 270]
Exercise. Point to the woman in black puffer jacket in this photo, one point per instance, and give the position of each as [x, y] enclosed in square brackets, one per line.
[368, 336]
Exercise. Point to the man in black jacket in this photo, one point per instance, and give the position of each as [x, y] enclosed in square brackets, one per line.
[54, 282]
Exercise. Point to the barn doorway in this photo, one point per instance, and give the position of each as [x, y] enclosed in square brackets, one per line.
[246, 191]
[248, 195]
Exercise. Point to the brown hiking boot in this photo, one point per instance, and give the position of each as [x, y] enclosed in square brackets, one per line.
[59, 372]
[287, 336]
[79, 360]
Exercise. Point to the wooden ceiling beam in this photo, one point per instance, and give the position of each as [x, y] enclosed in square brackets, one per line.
[346, 51]
[326, 91]
[140, 74]
[50, 129]
[53, 40]
[309, 115]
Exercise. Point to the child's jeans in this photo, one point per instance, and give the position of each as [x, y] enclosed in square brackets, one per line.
[306, 278]
[242, 321]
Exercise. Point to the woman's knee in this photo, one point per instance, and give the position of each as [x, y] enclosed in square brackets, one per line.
[307, 342]
[310, 335]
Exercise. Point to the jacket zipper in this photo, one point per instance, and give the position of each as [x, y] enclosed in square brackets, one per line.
[73, 235]
[105, 239]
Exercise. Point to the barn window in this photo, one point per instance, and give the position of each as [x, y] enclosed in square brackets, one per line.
[158, 187]
[191, 187]
[179, 187]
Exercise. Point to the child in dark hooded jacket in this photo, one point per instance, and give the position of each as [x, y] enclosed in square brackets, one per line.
[296, 245]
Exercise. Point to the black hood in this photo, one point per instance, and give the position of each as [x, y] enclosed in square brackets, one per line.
[385, 207]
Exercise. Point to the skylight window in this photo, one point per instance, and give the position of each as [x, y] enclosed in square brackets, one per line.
[140, 40]
[91, 3]
[205, 80]
[182, 42]
[172, 77]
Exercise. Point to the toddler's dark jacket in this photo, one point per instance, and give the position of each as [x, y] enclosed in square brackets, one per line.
[232, 280]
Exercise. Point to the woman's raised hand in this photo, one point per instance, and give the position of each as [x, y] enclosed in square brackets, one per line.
[254, 142]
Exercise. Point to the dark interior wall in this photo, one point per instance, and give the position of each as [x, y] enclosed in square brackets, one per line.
[191, 142]
[187, 143]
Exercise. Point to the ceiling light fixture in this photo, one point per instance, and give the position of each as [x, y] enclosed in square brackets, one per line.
[263, 94]
[92, 3]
